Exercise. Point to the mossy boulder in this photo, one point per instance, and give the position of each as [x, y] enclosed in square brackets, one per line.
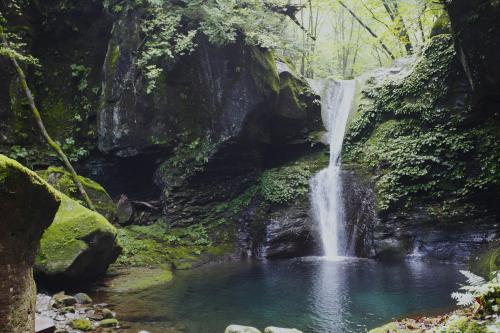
[81, 324]
[79, 245]
[61, 180]
[27, 207]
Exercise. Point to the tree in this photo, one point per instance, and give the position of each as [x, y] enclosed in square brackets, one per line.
[14, 56]
[370, 30]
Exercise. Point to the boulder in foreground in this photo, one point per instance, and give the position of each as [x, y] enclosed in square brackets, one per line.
[79, 245]
[27, 207]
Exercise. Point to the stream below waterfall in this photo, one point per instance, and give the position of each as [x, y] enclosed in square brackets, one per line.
[310, 294]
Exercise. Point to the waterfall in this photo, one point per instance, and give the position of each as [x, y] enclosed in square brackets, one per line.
[326, 187]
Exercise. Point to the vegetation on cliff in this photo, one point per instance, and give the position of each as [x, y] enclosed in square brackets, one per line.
[421, 139]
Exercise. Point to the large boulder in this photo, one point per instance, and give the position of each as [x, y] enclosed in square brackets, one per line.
[61, 180]
[27, 207]
[221, 92]
[79, 245]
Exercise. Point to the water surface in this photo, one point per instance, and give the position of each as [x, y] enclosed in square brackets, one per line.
[311, 294]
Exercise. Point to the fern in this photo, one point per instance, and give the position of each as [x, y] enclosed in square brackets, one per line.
[476, 287]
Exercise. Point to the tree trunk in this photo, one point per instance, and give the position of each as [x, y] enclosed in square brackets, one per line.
[367, 28]
[41, 126]
[397, 19]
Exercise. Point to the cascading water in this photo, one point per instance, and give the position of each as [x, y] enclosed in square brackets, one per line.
[326, 187]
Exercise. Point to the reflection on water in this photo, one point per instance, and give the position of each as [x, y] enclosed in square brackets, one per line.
[311, 294]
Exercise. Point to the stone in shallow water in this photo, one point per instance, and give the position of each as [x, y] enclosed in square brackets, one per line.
[83, 298]
[107, 314]
[108, 323]
[61, 300]
[272, 329]
[241, 329]
[82, 324]
[44, 325]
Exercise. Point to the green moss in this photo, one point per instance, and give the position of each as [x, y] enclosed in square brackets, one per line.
[62, 181]
[442, 25]
[134, 279]
[63, 241]
[289, 182]
[10, 170]
[111, 322]
[420, 148]
[487, 263]
[265, 72]
[81, 324]
[221, 249]
[157, 245]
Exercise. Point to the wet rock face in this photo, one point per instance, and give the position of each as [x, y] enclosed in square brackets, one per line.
[27, 206]
[420, 236]
[291, 232]
[360, 215]
[477, 39]
[298, 112]
[223, 91]
[414, 235]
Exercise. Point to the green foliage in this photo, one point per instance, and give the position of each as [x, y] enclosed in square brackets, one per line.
[285, 184]
[224, 20]
[477, 290]
[170, 29]
[72, 151]
[81, 72]
[158, 244]
[418, 145]
[164, 41]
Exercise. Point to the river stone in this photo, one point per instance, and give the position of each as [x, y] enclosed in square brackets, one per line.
[79, 245]
[61, 300]
[83, 298]
[81, 324]
[272, 329]
[111, 322]
[124, 210]
[107, 314]
[241, 329]
[27, 207]
[44, 325]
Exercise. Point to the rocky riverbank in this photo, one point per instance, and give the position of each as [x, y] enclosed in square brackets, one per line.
[63, 313]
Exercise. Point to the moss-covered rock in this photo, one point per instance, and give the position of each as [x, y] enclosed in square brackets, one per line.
[27, 207]
[111, 322]
[134, 279]
[411, 132]
[61, 180]
[442, 25]
[82, 324]
[80, 244]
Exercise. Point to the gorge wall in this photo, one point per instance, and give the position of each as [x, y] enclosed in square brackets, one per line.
[226, 143]
[212, 145]
[425, 141]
